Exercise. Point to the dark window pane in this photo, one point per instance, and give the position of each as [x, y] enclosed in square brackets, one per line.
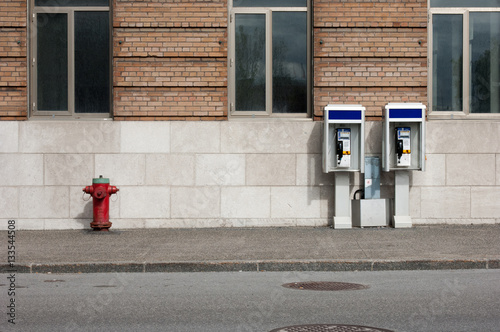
[485, 62]
[92, 62]
[447, 55]
[72, 3]
[250, 62]
[289, 62]
[465, 3]
[52, 62]
[269, 3]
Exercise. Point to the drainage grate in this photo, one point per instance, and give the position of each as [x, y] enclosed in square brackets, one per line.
[329, 328]
[325, 286]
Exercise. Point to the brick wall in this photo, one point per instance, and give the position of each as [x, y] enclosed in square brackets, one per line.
[170, 60]
[13, 72]
[369, 52]
[170, 57]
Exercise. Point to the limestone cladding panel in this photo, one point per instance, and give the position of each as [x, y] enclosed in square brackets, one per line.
[196, 137]
[435, 172]
[9, 204]
[68, 169]
[9, 136]
[44, 202]
[445, 202]
[310, 171]
[463, 136]
[220, 169]
[295, 202]
[245, 202]
[170, 169]
[485, 202]
[271, 137]
[270, 169]
[69, 137]
[470, 169]
[121, 169]
[21, 169]
[196, 202]
[145, 137]
[498, 169]
[144, 202]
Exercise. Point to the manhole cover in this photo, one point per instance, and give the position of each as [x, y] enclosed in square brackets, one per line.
[325, 286]
[329, 328]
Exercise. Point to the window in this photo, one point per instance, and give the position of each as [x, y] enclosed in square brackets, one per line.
[465, 45]
[269, 58]
[71, 58]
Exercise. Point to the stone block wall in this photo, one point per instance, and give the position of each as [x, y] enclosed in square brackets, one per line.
[226, 174]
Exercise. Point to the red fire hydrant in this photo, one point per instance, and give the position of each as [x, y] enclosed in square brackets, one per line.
[100, 192]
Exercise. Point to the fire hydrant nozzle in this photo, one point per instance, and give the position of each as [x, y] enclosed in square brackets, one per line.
[100, 192]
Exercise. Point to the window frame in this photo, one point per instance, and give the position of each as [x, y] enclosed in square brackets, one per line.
[465, 113]
[267, 11]
[33, 112]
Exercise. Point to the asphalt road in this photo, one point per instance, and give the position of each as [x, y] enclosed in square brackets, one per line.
[458, 300]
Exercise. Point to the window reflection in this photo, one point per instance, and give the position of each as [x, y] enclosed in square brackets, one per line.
[447, 69]
[289, 62]
[250, 62]
[485, 62]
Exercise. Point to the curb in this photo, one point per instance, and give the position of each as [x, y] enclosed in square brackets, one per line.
[253, 266]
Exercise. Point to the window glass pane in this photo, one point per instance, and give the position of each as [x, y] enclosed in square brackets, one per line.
[289, 62]
[447, 57]
[92, 62]
[71, 3]
[250, 62]
[485, 62]
[269, 3]
[465, 3]
[52, 62]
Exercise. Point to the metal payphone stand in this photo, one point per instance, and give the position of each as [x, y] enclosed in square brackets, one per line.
[403, 151]
[343, 153]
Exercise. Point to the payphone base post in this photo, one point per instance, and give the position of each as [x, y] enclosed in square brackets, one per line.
[402, 218]
[342, 223]
[342, 218]
[402, 222]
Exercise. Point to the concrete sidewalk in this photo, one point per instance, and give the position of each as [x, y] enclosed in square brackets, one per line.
[256, 249]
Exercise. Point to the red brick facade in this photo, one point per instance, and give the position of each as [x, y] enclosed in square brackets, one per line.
[170, 57]
[13, 66]
[369, 53]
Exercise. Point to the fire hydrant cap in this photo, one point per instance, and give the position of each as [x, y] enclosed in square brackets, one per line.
[100, 180]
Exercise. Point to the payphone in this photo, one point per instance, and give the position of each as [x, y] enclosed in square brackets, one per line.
[403, 150]
[343, 144]
[343, 153]
[403, 146]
